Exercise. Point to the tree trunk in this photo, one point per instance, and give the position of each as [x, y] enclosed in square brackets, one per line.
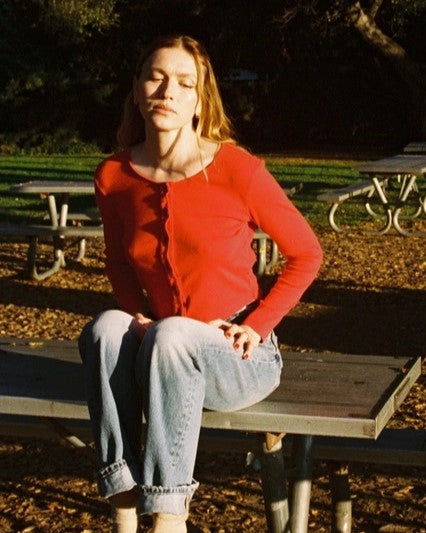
[413, 74]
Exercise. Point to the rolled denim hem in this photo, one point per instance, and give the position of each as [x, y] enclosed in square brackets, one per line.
[117, 477]
[172, 500]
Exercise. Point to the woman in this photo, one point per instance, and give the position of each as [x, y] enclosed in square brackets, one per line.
[179, 207]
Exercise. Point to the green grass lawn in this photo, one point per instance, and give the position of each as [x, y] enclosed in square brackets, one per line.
[317, 176]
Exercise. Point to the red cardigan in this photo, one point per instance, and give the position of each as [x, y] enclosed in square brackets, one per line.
[186, 246]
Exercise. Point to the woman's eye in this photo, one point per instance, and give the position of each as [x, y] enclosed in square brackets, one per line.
[153, 77]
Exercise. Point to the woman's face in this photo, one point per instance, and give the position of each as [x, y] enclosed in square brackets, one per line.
[166, 91]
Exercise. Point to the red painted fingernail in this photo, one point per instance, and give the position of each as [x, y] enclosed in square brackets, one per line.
[245, 356]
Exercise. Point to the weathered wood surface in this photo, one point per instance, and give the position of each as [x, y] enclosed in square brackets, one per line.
[415, 148]
[344, 193]
[399, 164]
[54, 187]
[320, 393]
[30, 230]
[91, 215]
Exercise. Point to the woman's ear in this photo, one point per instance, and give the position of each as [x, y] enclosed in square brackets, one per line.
[197, 112]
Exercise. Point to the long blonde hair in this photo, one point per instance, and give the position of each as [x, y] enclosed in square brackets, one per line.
[212, 123]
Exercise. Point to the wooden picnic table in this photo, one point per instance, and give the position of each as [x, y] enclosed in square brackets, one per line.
[326, 394]
[405, 169]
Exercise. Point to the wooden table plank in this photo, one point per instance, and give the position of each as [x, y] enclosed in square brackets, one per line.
[399, 164]
[54, 187]
[415, 148]
[320, 394]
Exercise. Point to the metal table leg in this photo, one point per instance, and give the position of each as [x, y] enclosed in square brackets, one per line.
[31, 262]
[57, 220]
[261, 256]
[380, 190]
[273, 257]
[340, 497]
[301, 493]
[274, 485]
[408, 186]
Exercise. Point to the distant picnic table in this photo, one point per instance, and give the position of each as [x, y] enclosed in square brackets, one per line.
[401, 171]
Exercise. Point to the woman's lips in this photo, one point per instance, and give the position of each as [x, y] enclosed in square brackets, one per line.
[163, 108]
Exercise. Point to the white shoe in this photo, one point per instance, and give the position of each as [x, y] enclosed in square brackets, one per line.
[169, 523]
[124, 520]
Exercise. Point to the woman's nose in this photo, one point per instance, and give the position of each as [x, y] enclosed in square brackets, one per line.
[166, 89]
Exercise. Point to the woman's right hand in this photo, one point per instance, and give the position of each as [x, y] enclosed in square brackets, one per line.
[140, 324]
[242, 336]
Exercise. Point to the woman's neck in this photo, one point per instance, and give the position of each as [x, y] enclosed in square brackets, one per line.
[171, 150]
[171, 156]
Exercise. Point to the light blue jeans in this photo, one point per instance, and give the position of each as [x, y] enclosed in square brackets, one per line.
[181, 366]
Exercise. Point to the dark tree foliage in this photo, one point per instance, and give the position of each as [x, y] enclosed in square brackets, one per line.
[66, 66]
[55, 87]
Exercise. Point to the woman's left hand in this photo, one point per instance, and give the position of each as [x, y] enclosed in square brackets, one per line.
[242, 336]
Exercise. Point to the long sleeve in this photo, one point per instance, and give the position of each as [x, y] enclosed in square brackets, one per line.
[279, 218]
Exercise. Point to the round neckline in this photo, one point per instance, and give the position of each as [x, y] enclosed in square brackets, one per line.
[140, 175]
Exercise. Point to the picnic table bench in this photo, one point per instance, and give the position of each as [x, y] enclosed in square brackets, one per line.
[34, 233]
[321, 394]
[336, 197]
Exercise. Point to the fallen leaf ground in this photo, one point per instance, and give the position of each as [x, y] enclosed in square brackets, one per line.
[369, 298]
